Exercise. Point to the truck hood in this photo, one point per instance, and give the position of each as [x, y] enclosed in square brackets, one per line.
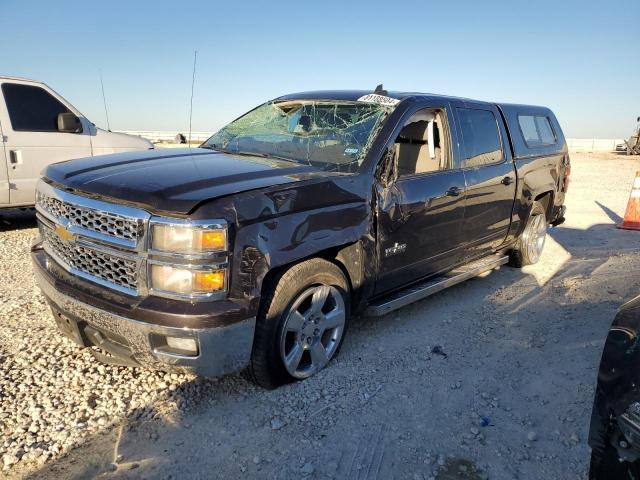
[174, 180]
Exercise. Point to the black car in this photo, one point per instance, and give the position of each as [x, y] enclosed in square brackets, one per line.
[256, 248]
[614, 434]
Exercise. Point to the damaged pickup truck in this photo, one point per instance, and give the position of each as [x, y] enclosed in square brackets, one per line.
[254, 250]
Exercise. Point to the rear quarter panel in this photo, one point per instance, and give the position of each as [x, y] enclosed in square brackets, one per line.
[540, 169]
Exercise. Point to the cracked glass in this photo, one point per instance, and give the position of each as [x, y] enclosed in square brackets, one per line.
[331, 135]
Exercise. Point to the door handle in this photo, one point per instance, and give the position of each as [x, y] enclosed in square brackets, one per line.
[15, 157]
[453, 192]
[507, 180]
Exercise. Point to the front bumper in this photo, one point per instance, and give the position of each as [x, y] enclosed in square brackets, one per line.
[221, 350]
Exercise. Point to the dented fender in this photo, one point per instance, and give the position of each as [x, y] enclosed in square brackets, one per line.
[280, 226]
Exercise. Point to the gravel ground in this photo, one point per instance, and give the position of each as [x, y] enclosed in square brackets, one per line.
[490, 379]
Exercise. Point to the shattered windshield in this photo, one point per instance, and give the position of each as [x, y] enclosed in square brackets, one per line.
[331, 135]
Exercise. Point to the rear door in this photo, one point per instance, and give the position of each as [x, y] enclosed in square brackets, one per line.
[420, 213]
[490, 177]
[29, 117]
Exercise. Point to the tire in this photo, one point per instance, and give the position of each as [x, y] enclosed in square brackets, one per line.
[530, 244]
[297, 332]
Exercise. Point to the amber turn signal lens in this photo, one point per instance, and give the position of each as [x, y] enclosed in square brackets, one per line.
[208, 281]
[213, 240]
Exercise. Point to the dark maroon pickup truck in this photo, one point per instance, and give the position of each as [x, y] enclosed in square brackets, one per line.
[253, 250]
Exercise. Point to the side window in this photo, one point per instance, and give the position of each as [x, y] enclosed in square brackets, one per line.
[536, 130]
[422, 145]
[480, 136]
[31, 108]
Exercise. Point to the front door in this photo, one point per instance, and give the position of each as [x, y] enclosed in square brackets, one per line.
[421, 211]
[490, 178]
[32, 140]
[4, 173]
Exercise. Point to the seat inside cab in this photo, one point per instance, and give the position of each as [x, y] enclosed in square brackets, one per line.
[420, 145]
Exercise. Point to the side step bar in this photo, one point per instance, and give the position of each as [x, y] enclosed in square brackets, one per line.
[429, 287]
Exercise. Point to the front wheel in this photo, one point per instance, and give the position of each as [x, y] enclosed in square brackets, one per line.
[301, 325]
[531, 243]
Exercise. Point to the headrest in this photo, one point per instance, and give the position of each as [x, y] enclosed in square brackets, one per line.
[422, 115]
[415, 130]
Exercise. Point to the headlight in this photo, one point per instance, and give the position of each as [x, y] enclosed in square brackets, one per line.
[184, 281]
[188, 239]
[188, 258]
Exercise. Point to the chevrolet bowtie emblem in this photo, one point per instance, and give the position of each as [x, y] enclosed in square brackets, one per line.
[64, 234]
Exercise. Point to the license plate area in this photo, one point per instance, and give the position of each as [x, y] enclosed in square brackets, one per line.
[69, 327]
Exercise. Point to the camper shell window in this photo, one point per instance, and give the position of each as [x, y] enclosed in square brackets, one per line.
[536, 130]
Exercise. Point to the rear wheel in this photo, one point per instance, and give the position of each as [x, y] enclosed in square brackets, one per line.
[531, 243]
[301, 325]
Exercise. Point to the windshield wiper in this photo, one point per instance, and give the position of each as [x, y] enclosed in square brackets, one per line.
[270, 155]
[256, 154]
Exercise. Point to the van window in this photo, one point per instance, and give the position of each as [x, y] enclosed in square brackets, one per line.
[422, 146]
[480, 136]
[536, 130]
[32, 108]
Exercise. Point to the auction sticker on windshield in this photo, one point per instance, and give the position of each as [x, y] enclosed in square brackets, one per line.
[379, 99]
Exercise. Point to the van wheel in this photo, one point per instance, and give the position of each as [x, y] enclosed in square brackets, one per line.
[302, 322]
[531, 243]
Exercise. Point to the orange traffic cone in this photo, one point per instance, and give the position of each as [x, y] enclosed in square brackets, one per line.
[631, 219]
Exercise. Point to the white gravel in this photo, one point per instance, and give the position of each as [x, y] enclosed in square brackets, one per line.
[511, 398]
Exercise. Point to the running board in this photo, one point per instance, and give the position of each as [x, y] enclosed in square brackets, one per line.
[429, 287]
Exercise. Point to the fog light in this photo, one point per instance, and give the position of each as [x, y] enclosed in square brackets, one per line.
[164, 345]
[188, 345]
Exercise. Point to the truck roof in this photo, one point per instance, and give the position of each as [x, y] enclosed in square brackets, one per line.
[353, 95]
[7, 77]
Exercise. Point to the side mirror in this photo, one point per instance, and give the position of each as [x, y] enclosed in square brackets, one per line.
[69, 123]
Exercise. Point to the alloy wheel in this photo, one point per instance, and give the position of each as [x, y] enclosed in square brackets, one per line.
[312, 330]
[535, 236]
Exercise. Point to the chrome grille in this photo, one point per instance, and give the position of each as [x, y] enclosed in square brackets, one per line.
[113, 269]
[105, 223]
[99, 241]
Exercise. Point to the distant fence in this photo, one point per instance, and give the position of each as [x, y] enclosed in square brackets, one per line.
[593, 144]
[575, 144]
[163, 136]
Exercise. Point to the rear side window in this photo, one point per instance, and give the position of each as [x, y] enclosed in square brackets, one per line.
[32, 109]
[480, 136]
[536, 130]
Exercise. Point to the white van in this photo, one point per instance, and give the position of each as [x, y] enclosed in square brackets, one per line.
[39, 127]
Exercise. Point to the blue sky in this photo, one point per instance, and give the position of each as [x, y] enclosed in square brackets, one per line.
[580, 58]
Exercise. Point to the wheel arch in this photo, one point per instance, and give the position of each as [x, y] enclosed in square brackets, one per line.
[546, 199]
[348, 258]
